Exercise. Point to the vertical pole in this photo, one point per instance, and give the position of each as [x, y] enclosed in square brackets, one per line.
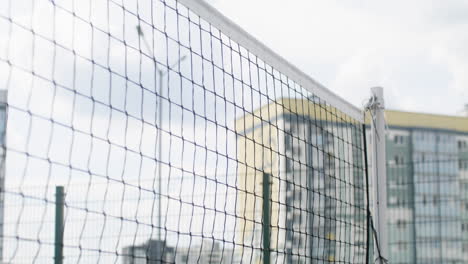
[379, 175]
[266, 218]
[368, 219]
[161, 74]
[59, 224]
[3, 124]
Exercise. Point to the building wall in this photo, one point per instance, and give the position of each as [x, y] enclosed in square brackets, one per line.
[313, 166]
[151, 252]
[426, 191]
[427, 199]
[462, 146]
[259, 151]
[400, 196]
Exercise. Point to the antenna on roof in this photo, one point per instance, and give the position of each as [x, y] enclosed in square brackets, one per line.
[464, 111]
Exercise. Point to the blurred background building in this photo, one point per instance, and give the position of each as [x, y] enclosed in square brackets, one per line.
[427, 179]
[464, 111]
[151, 252]
[207, 252]
[312, 153]
[427, 176]
[156, 252]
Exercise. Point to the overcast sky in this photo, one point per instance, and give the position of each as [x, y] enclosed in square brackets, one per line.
[417, 50]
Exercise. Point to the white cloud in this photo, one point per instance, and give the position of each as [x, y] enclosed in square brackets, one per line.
[417, 50]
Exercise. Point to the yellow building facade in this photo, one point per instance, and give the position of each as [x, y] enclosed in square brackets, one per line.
[313, 154]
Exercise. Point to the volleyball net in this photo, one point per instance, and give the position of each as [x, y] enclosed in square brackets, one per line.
[177, 138]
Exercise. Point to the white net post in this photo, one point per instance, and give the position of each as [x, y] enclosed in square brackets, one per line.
[379, 175]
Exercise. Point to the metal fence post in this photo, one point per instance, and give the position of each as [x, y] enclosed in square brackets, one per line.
[379, 172]
[266, 218]
[59, 224]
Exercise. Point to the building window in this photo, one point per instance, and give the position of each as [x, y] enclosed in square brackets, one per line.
[288, 141]
[399, 160]
[401, 224]
[464, 226]
[289, 165]
[401, 201]
[465, 247]
[398, 139]
[462, 164]
[296, 150]
[464, 185]
[401, 246]
[462, 145]
[328, 138]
